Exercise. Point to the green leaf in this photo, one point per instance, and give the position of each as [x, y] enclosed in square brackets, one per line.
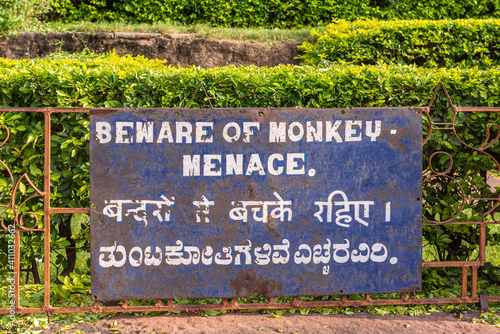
[22, 188]
[35, 170]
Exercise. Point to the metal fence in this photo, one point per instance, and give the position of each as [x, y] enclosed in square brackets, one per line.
[18, 227]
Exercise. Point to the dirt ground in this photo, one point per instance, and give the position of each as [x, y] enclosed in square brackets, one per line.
[288, 324]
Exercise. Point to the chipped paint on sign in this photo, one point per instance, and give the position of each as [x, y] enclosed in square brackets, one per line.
[229, 202]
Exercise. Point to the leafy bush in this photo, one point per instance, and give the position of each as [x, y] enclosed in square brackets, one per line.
[20, 14]
[91, 80]
[267, 13]
[445, 43]
[7, 19]
[88, 80]
[246, 13]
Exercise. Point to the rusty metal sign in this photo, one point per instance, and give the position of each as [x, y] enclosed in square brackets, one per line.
[228, 202]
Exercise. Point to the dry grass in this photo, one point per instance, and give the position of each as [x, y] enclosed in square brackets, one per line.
[265, 36]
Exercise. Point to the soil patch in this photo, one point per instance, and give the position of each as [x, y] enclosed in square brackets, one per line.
[289, 323]
[178, 50]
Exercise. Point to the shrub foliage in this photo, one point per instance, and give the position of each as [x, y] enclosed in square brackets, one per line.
[20, 14]
[89, 80]
[268, 13]
[445, 43]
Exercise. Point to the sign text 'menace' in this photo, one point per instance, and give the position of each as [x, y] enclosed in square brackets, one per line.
[228, 202]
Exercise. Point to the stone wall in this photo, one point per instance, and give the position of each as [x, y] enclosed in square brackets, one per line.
[179, 49]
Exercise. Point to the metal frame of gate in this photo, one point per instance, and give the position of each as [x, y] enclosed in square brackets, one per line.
[231, 304]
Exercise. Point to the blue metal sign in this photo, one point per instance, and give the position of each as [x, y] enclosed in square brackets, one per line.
[229, 202]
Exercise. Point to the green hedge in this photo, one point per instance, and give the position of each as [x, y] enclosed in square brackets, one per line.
[89, 80]
[445, 43]
[267, 13]
[113, 81]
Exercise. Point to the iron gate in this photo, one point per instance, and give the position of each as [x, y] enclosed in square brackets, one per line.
[448, 126]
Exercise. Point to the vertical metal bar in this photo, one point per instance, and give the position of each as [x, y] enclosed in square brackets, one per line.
[464, 281]
[46, 211]
[17, 267]
[473, 284]
[482, 243]
[343, 300]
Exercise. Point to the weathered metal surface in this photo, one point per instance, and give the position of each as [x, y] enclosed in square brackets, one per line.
[223, 203]
[271, 305]
[483, 302]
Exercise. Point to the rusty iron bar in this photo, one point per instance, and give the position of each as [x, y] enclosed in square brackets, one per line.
[478, 109]
[55, 110]
[69, 210]
[438, 87]
[446, 264]
[233, 305]
[482, 243]
[17, 268]
[473, 286]
[161, 307]
[196, 91]
[464, 281]
[481, 199]
[46, 209]
[461, 223]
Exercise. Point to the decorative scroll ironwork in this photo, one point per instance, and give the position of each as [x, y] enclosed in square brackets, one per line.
[18, 216]
[447, 174]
